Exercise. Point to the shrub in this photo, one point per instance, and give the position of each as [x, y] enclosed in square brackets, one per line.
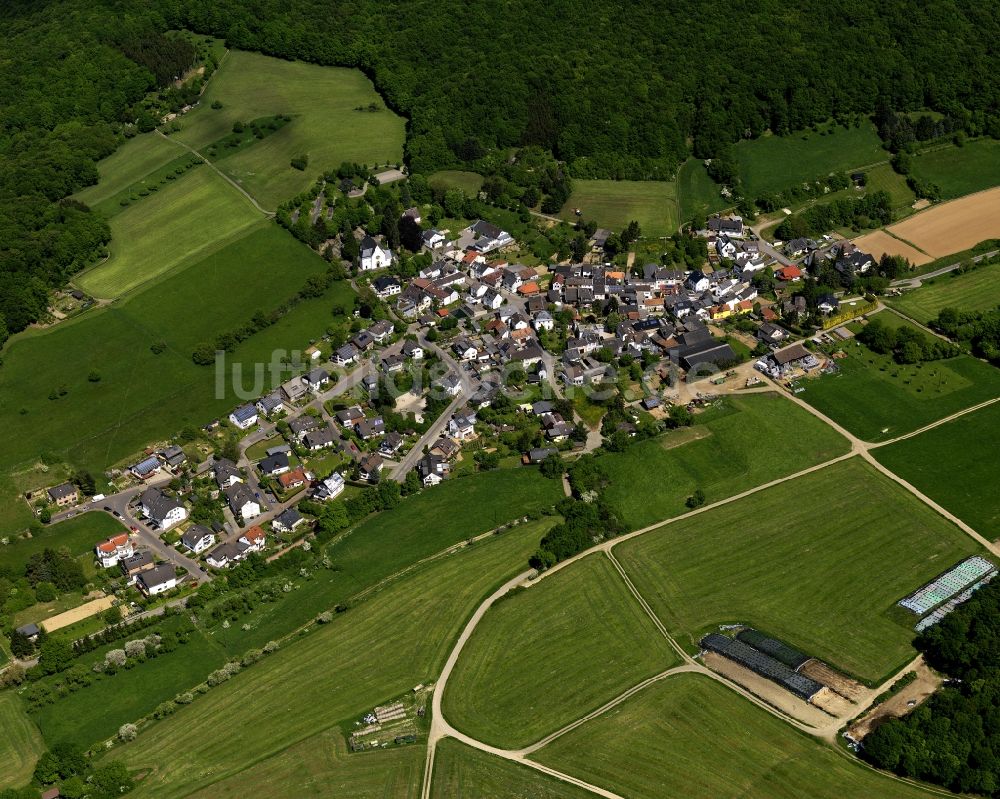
[127, 732]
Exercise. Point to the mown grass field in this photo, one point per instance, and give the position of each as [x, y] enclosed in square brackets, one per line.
[690, 737]
[78, 535]
[772, 163]
[186, 220]
[20, 742]
[552, 653]
[461, 772]
[469, 182]
[368, 655]
[877, 399]
[420, 526]
[613, 204]
[95, 713]
[818, 561]
[697, 193]
[758, 438]
[127, 166]
[961, 170]
[322, 765]
[955, 464]
[978, 290]
[142, 397]
[884, 178]
[326, 124]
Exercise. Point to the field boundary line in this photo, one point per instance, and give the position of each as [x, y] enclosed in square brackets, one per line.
[646, 607]
[938, 423]
[908, 243]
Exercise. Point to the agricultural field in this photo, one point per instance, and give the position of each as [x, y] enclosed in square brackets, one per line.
[754, 439]
[392, 541]
[877, 399]
[612, 204]
[958, 171]
[461, 772]
[884, 178]
[377, 650]
[128, 166]
[193, 216]
[688, 736]
[20, 744]
[323, 763]
[78, 535]
[818, 562]
[953, 226]
[95, 713]
[954, 464]
[697, 193]
[978, 290]
[880, 242]
[96, 423]
[330, 123]
[549, 654]
[469, 182]
[772, 163]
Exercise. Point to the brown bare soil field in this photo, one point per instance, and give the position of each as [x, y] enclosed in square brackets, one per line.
[78, 614]
[954, 226]
[879, 243]
[927, 682]
[849, 689]
[770, 692]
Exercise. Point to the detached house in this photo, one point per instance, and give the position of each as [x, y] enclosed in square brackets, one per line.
[157, 580]
[65, 494]
[161, 509]
[114, 549]
[345, 355]
[287, 521]
[253, 539]
[370, 467]
[226, 473]
[316, 379]
[373, 255]
[244, 417]
[387, 286]
[329, 487]
[132, 567]
[242, 501]
[197, 538]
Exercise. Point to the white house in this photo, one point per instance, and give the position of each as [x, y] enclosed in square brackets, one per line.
[242, 502]
[163, 510]
[316, 379]
[114, 549]
[157, 580]
[544, 321]
[698, 282]
[330, 487]
[373, 255]
[432, 239]
[197, 538]
[253, 539]
[243, 417]
[387, 286]
[492, 300]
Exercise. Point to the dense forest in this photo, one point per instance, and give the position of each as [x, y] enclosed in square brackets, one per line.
[954, 738]
[610, 89]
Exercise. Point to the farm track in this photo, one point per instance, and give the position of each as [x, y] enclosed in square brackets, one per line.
[441, 728]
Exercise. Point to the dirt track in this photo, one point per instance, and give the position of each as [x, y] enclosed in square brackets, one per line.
[953, 226]
[917, 691]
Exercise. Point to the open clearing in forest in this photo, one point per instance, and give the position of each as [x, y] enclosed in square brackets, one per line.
[958, 171]
[956, 465]
[880, 243]
[612, 204]
[128, 165]
[469, 182]
[461, 771]
[691, 737]
[377, 650]
[549, 654]
[818, 562]
[330, 123]
[189, 218]
[20, 742]
[978, 290]
[953, 226]
[748, 440]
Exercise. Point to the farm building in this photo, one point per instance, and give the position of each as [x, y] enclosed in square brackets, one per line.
[763, 664]
[779, 650]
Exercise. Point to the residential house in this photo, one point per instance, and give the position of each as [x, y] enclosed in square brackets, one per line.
[273, 465]
[244, 417]
[450, 384]
[413, 350]
[391, 444]
[319, 439]
[788, 273]
[370, 467]
[254, 539]
[287, 521]
[487, 237]
[145, 469]
[387, 286]
[462, 426]
[226, 473]
[197, 538]
[224, 555]
[301, 425]
[294, 389]
[381, 331]
[173, 456]
[289, 481]
[346, 355]
[112, 550]
[161, 509]
[373, 255]
[432, 469]
[157, 580]
[242, 501]
[329, 487]
[64, 494]
[697, 281]
[271, 403]
[133, 566]
[827, 304]
[316, 379]
[432, 239]
[348, 416]
[367, 429]
[544, 321]
[721, 225]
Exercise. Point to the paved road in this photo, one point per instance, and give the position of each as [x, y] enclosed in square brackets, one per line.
[916, 282]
